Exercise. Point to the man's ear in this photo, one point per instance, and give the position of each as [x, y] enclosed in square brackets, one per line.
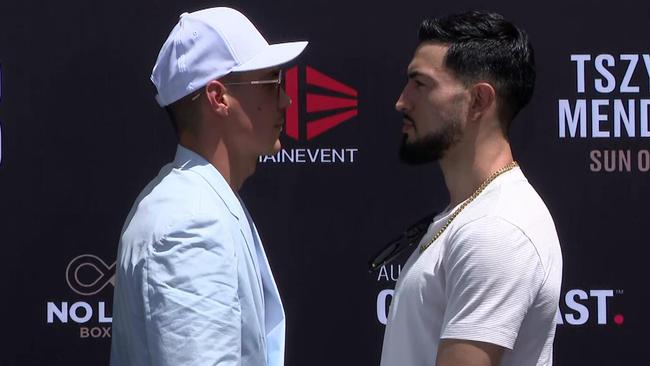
[218, 101]
[483, 99]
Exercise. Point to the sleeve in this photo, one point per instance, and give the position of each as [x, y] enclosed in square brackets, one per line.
[492, 276]
[192, 305]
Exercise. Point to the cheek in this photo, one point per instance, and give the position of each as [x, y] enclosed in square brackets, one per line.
[263, 106]
[256, 113]
[458, 108]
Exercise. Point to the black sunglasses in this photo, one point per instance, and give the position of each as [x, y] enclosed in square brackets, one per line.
[412, 235]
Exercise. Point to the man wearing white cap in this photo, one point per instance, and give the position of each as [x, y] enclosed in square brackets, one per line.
[193, 286]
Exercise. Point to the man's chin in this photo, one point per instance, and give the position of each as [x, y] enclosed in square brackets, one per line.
[418, 152]
[408, 138]
[277, 146]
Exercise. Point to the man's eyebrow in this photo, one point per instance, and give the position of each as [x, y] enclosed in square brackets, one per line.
[415, 73]
[412, 73]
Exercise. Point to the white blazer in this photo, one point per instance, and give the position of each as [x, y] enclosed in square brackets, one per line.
[193, 285]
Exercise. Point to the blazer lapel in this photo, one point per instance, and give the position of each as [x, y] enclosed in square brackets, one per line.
[274, 318]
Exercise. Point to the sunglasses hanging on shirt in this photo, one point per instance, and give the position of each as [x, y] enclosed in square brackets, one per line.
[411, 236]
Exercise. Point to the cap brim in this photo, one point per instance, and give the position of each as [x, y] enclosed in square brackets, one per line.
[274, 55]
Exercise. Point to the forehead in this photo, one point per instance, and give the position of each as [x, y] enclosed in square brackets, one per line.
[429, 59]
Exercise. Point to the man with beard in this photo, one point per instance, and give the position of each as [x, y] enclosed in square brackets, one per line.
[193, 285]
[483, 285]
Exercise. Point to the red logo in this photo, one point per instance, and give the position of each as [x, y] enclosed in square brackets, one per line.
[345, 103]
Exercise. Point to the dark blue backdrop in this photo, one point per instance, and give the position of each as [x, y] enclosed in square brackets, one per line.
[81, 134]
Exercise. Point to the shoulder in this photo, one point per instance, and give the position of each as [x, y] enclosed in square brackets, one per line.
[489, 232]
[491, 245]
[176, 201]
[506, 215]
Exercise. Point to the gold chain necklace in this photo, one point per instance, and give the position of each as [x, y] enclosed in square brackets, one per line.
[467, 202]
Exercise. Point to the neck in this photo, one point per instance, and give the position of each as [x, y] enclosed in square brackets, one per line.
[466, 169]
[233, 167]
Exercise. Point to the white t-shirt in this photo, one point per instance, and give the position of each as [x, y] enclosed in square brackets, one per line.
[493, 276]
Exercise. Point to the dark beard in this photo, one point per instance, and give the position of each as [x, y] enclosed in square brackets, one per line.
[429, 148]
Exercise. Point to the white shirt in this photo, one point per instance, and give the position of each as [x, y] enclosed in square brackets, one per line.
[494, 276]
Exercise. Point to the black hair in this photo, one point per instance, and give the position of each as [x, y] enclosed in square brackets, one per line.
[184, 114]
[485, 46]
[172, 119]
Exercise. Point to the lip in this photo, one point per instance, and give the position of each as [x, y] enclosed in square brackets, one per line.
[406, 126]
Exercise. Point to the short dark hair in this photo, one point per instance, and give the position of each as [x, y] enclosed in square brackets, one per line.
[486, 46]
[184, 113]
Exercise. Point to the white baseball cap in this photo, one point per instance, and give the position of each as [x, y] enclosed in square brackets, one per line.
[208, 44]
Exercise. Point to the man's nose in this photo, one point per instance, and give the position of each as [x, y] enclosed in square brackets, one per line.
[401, 105]
[283, 99]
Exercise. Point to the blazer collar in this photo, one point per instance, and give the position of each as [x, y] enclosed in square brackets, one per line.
[187, 159]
